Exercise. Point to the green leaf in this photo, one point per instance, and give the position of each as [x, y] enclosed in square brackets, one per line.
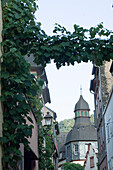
[17, 80]
[20, 97]
[5, 75]
[30, 119]
[13, 50]
[111, 55]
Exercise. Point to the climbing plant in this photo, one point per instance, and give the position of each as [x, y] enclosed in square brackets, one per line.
[19, 86]
[46, 148]
[82, 45]
[22, 35]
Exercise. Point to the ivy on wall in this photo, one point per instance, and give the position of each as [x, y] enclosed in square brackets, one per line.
[19, 86]
[22, 35]
[46, 148]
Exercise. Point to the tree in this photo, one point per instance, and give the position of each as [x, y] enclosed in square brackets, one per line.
[72, 166]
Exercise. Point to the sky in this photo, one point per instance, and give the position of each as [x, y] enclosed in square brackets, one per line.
[64, 84]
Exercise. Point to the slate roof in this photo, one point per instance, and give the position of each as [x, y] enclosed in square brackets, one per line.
[82, 133]
[62, 149]
[81, 104]
[82, 130]
[61, 138]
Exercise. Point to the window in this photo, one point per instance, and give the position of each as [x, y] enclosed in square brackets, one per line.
[92, 162]
[68, 151]
[112, 162]
[78, 114]
[60, 156]
[108, 134]
[76, 149]
[81, 113]
[85, 113]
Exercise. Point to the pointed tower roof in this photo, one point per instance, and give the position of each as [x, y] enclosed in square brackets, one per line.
[82, 129]
[81, 104]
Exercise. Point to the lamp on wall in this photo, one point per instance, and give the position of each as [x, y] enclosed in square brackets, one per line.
[48, 119]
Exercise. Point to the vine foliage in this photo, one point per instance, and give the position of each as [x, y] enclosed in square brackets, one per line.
[22, 35]
[45, 151]
[19, 86]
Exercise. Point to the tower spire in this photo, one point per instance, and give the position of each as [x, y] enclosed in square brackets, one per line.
[81, 90]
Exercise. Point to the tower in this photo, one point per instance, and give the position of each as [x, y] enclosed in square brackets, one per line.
[81, 108]
[82, 133]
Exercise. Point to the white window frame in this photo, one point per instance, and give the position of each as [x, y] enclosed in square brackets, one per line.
[75, 149]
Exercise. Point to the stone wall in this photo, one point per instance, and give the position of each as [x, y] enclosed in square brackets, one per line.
[106, 81]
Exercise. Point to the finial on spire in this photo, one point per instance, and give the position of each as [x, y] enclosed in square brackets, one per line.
[81, 90]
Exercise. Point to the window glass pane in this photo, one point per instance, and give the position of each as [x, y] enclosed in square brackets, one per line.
[81, 113]
[76, 149]
[85, 113]
[92, 162]
[78, 114]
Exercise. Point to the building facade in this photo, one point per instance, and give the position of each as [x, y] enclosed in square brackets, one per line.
[91, 159]
[61, 148]
[30, 158]
[82, 133]
[108, 114]
[55, 132]
[100, 87]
